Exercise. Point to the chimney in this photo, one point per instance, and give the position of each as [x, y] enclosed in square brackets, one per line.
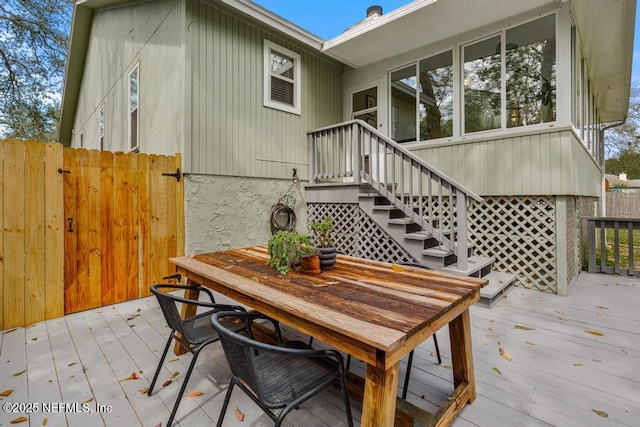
[374, 10]
[623, 176]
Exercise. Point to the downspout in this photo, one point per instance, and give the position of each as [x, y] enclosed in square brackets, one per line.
[603, 195]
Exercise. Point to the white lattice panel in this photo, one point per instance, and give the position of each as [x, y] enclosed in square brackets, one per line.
[356, 234]
[520, 233]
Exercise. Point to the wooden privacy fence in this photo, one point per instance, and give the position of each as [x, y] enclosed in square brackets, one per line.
[83, 228]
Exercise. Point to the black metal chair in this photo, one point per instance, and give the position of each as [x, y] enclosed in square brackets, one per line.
[276, 376]
[195, 332]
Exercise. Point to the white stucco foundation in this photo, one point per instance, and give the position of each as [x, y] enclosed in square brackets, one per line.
[223, 212]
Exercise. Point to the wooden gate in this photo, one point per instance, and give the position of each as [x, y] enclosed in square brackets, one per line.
[83, 228]
[125, 218]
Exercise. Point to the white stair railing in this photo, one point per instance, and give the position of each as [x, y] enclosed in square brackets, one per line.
[354, 151]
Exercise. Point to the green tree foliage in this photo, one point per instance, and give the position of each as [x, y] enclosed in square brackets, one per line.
[33, 49]
[626, 138]
[628, 161]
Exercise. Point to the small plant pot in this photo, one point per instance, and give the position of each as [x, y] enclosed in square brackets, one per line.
[310, 265]
[327, 258]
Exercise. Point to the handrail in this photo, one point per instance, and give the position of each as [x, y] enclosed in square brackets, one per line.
[354, 150]
[618, 225]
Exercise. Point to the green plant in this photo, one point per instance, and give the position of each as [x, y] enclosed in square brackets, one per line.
[322, 231]
[286, 248]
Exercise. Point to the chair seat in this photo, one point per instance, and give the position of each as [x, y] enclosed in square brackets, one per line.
[284, 379]
[198, 328]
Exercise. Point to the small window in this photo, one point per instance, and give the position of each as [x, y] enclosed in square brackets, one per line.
[281, 78]
[134, 101]
[82, 139]
[100, 129]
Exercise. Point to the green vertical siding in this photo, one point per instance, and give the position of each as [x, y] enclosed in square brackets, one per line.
[232, 132]
[149, 33]
[553, 163]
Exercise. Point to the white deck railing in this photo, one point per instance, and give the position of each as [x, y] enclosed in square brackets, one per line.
[356, 152]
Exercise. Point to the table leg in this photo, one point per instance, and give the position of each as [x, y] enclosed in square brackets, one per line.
[380, 390]
[461, 353]
[188, 310]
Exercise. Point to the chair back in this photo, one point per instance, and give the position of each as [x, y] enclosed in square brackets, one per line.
[238, 349]
[169, 308]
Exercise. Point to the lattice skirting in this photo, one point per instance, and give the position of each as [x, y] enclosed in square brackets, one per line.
[358, 235]
[520, 232]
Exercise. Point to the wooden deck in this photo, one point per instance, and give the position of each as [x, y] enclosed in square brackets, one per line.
[559, 374]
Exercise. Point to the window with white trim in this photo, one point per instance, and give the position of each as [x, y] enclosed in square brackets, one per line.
[82, 139]
[281, 78]
[134, 102]
[100, 129]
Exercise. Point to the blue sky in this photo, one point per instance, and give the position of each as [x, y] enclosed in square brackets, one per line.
[329, 18]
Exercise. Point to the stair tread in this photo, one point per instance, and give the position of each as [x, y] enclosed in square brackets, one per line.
[442, 250]
[402, 221]
[474, 263]
[418, 235]
[497, 282]
[385, 208]
[368, 195]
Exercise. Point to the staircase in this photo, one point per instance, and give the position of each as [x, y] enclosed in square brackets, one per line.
[419, 207]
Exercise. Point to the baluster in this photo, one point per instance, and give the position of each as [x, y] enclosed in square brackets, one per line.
[430, 198]
[452, 237]
[603, 247]
[630, 245]
[420, 198]
[410, 194]
[461, 203]
[393, 170]
[616, 247]
[440, 215]
[312, 158]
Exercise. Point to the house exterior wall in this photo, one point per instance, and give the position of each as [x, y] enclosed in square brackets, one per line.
[230, 130]
[549, 163]
[224, 212]
[149, 34]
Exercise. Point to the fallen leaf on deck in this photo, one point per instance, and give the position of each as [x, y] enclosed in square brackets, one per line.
[239, 415]
[577, 364]
[71, 364]
[447, 367]
[562, 319]
[505, 296]
[497, 370]
[18, 420]
[492, 320]
[175, 374]
[596, 333]
[174, 360]
[17, 374]
[604, 308]
[144, 390]
[88, 400]
[129, 318]
[135, 315]
[599, 313]
[132, 326]
[601, 413]
[6, 393]
[597, 360]
[44, 421]
[433, 354]
[133, 376]
[34, 339]
[489, 329]
[194, 394]
[166, 383]
[524, 328]
[423, 397]
[138, 310]
[530, 343]
[507, 356]
[492, 336]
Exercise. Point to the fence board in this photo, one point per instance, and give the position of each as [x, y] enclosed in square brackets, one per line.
[179, 209]
[13, 234]
[106, 227]
[160, 232]
[81, 223]
[119, 227]
[623, 205]
[95, 230]
[133, 257]
[54, 231]
[170, 209]
[34, 296]
[154, 205]
[144, 218]
[70, 237]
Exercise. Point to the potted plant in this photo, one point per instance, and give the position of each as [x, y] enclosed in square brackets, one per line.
[287, 249]
[322, 232]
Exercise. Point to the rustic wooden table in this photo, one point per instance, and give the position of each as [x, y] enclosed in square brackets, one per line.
[375, 311]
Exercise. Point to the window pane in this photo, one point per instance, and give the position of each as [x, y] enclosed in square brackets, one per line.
[281, 65]
[371, 118]
[365, 99]
[577, 80]
[436, 96]
[281, 91]
[531, 73]
[403, 104]
[134, 89]
[134, 129]
[482, 85]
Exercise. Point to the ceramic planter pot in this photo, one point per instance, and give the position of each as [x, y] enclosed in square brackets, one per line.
[310, 265]
[327, 258]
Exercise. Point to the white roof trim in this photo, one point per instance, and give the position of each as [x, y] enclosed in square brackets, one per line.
[277, 22]
[375, 23]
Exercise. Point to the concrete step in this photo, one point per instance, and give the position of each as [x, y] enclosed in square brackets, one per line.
[499, 285]
[476, 265]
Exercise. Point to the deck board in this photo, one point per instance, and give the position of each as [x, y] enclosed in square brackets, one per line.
[559, 374]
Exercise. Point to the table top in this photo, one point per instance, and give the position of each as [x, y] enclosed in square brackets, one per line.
[367, 308]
